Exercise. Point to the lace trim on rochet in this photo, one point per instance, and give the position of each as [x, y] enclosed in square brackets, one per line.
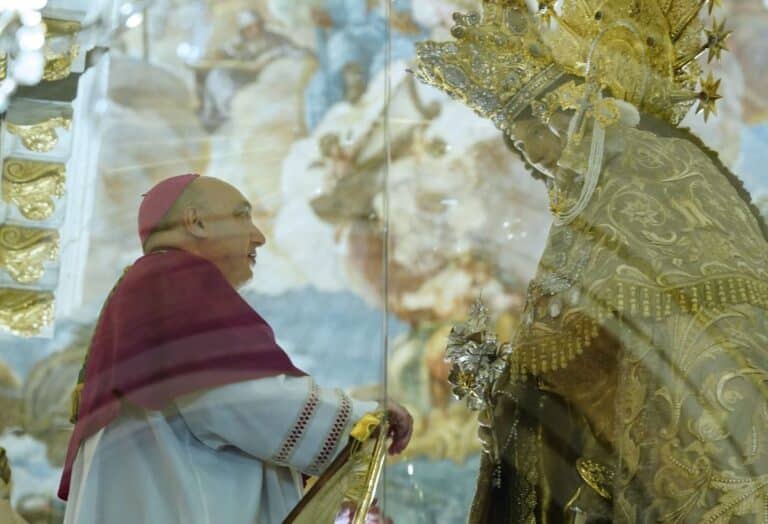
[332, 439]
[299, 428]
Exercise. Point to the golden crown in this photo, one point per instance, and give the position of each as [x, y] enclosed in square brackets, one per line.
[641, 51]
[498, 65]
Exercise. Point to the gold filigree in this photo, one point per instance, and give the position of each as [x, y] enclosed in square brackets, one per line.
[597, 476]
[24, 251]
[641, 52]
[674, 249]
[497, 66]
[40, 137]
[740, 496]
[32, 186]
[3, 66]
[24, 312]
[699, 441]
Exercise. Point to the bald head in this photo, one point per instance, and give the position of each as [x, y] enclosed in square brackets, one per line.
[212, 219]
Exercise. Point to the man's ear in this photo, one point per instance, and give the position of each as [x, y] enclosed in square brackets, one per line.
[193, 223]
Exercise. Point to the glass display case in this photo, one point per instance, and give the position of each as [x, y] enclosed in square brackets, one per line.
[391, 205]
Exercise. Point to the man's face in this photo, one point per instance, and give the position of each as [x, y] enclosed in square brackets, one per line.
[231, 237]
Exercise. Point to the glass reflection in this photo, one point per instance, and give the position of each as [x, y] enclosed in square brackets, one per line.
[311, 109]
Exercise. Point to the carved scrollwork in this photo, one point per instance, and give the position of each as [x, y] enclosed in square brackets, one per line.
[25, 312]
[61, 48]
[40, 137]
[32, 186]
[23, 251]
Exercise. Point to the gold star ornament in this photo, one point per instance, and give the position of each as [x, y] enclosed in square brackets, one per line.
[708, 96]
[716, 38]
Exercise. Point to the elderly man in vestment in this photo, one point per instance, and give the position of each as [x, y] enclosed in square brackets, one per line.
[187, 410]
[635, 388]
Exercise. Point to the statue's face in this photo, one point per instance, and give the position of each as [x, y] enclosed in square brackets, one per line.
[540, 144]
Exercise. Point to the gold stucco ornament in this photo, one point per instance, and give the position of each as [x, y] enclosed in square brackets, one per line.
[33, 186]
[24, 251]
[40, 137]
[25, 312]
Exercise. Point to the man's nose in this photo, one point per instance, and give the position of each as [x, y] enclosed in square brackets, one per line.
[257, 237]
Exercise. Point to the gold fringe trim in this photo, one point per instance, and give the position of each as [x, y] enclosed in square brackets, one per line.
[574, 331]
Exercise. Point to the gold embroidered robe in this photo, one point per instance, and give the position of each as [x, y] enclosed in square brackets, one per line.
[640, 372]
